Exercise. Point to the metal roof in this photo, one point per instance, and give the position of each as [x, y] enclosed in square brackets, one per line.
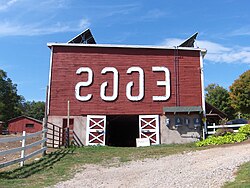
[183, 109]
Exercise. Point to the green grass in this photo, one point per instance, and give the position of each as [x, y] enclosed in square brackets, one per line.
[243, 178]
[64, 163]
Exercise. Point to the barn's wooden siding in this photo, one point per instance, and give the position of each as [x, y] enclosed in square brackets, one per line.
[18, 125]
[67, 59]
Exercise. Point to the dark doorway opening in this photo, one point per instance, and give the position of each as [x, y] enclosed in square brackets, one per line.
[122, 130]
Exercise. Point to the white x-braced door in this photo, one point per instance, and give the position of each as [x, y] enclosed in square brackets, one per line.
[95, 133]
[149, 128]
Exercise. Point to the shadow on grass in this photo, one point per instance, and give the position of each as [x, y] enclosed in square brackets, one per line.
[44, 163]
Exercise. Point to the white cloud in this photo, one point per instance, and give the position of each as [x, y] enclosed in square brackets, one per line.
[153, 14]
[243, 31]
[216, 52]
[84, 23]
[172, 42]
[119, 9]
[4, 5]
[11, 29]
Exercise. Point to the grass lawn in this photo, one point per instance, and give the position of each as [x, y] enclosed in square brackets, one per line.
[64, 163]
[243, 178]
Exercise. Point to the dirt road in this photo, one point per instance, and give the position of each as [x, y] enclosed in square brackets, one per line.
[207, 168]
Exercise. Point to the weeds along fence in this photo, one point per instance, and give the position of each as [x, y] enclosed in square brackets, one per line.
[23, 148]
[212, 128]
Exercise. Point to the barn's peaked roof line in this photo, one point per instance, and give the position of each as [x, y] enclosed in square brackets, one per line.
[125, 46]
[24, 116]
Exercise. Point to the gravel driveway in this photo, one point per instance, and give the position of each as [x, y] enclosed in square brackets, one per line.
[207, 168]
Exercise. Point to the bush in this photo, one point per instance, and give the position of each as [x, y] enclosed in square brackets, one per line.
[245, 129]
[228, 138]
[240, 137]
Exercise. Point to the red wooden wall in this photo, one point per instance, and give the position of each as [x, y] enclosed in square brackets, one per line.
[18, 125]
[67, 59]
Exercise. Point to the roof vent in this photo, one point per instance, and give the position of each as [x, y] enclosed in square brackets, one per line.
[190, 41]
[85, 37]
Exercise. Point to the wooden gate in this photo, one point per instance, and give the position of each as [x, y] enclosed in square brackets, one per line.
[149, 128]
[96, 126]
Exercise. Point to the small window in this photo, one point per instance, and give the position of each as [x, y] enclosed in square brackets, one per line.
[29, 125]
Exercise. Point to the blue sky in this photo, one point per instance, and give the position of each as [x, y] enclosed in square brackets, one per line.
[26, 26]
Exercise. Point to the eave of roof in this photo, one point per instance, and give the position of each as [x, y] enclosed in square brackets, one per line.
[182, 109]
[125, 46]
[208, 105]
[23, 116]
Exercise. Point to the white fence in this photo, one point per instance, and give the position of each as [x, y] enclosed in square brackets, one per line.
[23, 148]
[212, 128]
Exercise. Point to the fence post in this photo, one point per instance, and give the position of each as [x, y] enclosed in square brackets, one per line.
[214, 127]
[53, 136]
[23, 150]
[68, 141]
[203, 134]
[59, 136]
[44, 135]
[45, 121]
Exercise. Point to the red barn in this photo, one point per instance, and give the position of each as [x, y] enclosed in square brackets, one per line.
[24, 123]
[118, 93]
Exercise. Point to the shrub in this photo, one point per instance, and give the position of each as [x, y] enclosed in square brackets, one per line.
[245, 129]
[228, 138]
[240, 137]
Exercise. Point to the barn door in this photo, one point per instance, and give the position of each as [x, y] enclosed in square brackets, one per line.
[96, 126]
[149, 128]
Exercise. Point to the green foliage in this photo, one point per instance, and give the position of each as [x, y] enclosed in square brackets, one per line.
[33, 109]
[245, 129]
[228, 138]
[9, 99]
[219, 97]
[13, 105]
[240, 94]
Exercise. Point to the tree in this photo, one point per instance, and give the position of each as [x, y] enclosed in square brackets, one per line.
[9, 99]
[240, 94]
[34, 109]
[13, 105]
[219, 97]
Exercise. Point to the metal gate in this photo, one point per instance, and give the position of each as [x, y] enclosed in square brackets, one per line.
[149, 128]
[95, 133]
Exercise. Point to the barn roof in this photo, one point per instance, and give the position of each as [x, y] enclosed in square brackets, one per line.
[24, 116]
[125, 46]
[86, 39]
